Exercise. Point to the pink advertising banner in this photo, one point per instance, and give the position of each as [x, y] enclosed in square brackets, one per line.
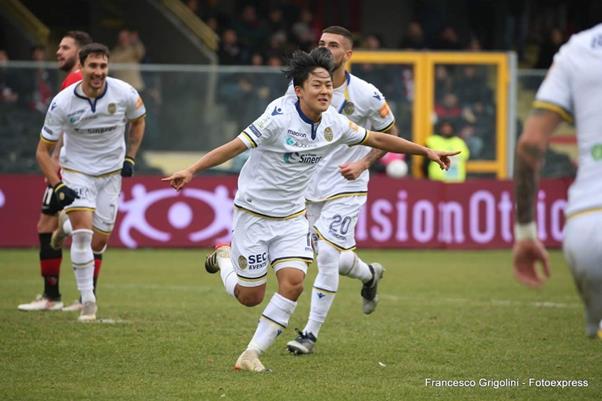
[399, 213]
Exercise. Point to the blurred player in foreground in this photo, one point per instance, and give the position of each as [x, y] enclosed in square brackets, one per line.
[51, 258]
[571, 90]
[92, 115]
[269, 229]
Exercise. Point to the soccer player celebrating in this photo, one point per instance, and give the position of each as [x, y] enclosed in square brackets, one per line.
[338, 191]
[92, 115]
[269, 227]
[51, 258]
[572, 89]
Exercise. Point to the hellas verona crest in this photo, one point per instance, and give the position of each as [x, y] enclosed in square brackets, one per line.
[242, 262]
[328, 134]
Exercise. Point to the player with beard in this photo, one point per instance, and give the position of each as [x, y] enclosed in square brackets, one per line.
[51, 258]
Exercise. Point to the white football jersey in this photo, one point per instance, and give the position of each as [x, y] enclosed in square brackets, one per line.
[573, 89]
[94, 142]
[363, 104]
[286, 148]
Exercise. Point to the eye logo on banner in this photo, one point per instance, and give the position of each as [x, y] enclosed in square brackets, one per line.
[180, 214]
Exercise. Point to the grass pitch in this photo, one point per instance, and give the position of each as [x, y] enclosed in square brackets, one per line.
[170, 332]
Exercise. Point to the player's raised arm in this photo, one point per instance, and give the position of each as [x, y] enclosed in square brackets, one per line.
[395, 144]
[214, 158]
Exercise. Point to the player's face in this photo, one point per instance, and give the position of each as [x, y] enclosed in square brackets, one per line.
[339, 46]
[95, 70]
[316, 92]
[66, 54]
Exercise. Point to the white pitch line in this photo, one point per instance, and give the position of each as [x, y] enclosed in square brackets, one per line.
[492, 302]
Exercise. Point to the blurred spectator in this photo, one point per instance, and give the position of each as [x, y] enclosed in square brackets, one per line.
[549, 48]
[448, 40]
[446, 139]
[449, 108]
[129, 50]
[443, 82]
[472, 85]
[193, 5]
[251, 31]
[479, 133]
[414, 37]
[474, 44]
[231, 52]
[304, 31]
[7, 81]
[41, 93]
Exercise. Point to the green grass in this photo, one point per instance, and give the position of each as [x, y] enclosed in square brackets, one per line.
[443, 315]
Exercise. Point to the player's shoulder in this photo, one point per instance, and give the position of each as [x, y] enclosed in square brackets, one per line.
[282, 107]
[120, 87]
[587, 40]
[364, 92]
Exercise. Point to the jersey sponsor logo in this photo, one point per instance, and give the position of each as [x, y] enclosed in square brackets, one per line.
[112, 108]
[257, 261]
[384, 110]
[277, 111]
[296, 157]
[294, 142]
[99, 130]
[328, 134]
[75, 114]
[254, 129]
[295, 133]
[242, 262]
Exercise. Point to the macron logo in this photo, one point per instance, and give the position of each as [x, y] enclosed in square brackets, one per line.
[321, 295]
[277, 111]
[376, 96]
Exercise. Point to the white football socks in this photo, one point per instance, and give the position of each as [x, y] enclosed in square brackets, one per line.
[227, 273]
[324, 288]
[272, 322]
[352, 266]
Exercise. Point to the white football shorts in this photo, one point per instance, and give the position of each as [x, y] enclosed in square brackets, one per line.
[334, 220]
[259, 242]
[97, 194]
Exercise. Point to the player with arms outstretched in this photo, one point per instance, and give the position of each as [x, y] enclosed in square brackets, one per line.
[269, 229]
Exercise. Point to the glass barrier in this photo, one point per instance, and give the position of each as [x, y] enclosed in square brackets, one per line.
[192, 109]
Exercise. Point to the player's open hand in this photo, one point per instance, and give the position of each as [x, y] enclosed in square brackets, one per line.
[442, 158]
[179, 179]
[351, 171]
[526, 254]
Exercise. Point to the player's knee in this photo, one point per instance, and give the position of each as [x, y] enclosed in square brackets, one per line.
[81, 248]
[328, 258]
[291, 287]
[250, 296]
[346, 261]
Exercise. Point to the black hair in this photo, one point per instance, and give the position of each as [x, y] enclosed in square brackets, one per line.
[301, 64]
[339, 30]
[92, 48]
[80, 37]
